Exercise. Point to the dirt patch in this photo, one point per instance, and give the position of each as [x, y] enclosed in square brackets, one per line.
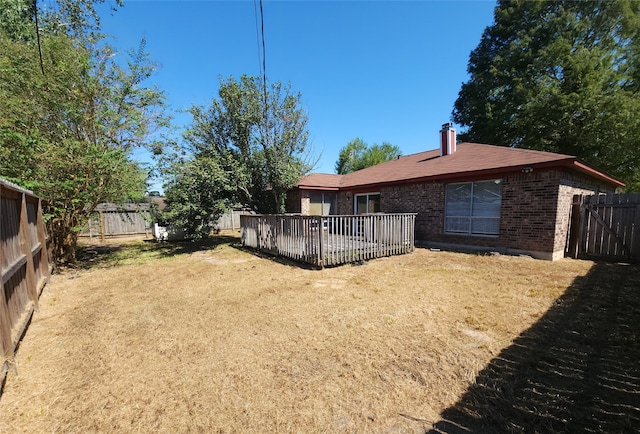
[217, 339]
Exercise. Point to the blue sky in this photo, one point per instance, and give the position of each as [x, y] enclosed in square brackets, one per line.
[378, 70]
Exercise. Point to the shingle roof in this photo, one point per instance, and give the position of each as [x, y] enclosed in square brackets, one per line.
[470, 160]
[320, 180]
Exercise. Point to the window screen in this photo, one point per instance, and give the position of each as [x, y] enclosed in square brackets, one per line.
[367, 203]
[323, 203]
[473, 208]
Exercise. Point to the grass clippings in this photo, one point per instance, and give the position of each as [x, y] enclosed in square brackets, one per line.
[146, 337]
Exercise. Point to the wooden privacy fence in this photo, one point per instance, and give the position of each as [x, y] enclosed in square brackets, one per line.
[230, 220]
[110, 220]
[24, 265]
[605, 227]
[330, 240]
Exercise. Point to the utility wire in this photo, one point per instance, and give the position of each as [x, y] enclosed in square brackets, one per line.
[35, 10]
[255, 13]
[264, 59]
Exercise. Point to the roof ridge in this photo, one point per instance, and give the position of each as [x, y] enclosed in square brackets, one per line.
[470, 159]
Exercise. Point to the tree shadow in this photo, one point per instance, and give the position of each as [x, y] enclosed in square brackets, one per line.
[114, 254]
[576, 370]
[276, 258]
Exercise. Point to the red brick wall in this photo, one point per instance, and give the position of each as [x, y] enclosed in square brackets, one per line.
[426, 199]
[345, 203]
[298, 202]
[528, 212]
[293, 201]
[534, 218]
[571, 185]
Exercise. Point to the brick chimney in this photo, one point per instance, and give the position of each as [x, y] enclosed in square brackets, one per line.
[447, 139]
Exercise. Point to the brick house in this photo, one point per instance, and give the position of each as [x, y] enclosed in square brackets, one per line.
[466, 195]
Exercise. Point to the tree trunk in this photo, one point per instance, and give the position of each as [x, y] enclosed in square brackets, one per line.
[64, 243]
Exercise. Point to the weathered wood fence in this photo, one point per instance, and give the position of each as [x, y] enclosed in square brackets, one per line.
[231, 219]
[605, 227]
[110, 220]
[24, 265]
[330, 240]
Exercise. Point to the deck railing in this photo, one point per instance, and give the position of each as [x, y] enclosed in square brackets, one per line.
[329, 240]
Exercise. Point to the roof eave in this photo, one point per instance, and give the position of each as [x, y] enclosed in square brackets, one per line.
[581, 167]
[318, 187]
[571, 163]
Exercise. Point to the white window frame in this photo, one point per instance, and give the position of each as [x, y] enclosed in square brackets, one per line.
[471, 216]
[355, 201]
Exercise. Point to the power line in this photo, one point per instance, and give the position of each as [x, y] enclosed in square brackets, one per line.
[35, 10]
[264, 59]
[255, 13]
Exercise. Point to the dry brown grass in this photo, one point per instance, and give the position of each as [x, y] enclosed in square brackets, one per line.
[157, 338]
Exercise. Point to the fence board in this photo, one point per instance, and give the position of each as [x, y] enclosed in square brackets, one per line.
[330, 240]
[24, 265]
[110, 220]
[605, 226]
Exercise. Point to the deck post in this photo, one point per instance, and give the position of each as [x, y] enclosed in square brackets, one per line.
[320, 231]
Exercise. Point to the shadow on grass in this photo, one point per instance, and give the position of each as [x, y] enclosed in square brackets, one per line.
[576, 370]
[263, 254]
[114, 254]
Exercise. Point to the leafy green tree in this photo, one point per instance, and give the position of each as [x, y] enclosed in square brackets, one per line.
[248, 147]
[16, 19]
[358, 155]
[201, 189]
[560, 76]
[68, 133]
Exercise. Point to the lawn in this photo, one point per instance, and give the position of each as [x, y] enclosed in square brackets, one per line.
[146, 337]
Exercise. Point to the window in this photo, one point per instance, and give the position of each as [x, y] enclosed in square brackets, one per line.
[473, 208]
[367, 203]
[323, 203]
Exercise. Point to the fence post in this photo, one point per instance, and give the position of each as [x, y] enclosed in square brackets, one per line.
[575, 232]
[5, 334]
[102, 229]
[635, 237]
[5, 323]
[259, 232]
[27, 250]
[45, 272]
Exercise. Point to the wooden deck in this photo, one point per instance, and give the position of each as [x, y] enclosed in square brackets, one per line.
[330, 240]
